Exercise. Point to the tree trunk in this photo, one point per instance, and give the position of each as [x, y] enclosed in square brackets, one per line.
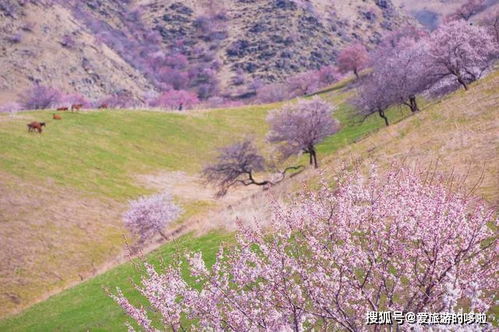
[356, 72]
[413, 104]
[383, 116]
[163, 235]
[462, 82]
[311, 157]
[253, 181]
[313, 154]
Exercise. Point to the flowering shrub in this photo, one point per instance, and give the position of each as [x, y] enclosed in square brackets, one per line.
[10, 107]
[15, 38]
[176, 100]
[72, 99]
[119, 100]
[272, 93]
[392, 243]
[149, 215]
[39, 97]
[68, 41]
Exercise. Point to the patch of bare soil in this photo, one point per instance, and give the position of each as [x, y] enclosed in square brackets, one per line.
[192, 187]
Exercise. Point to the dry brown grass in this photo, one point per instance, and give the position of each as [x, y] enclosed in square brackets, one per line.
[51, 237]
[459, 133]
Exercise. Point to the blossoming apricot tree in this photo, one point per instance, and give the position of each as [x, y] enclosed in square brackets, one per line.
[394, 243]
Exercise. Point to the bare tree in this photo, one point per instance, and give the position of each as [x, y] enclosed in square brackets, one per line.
[236, 164]
[301, 126]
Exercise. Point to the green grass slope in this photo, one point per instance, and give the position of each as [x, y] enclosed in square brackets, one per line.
[87, 307]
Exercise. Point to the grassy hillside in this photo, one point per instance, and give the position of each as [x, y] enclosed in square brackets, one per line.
[101, 152]
[63, 192]
[86, 307]
[460, 132]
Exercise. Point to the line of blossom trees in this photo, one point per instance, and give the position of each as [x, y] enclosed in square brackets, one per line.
[397, 242]
[295, 128]
[44, 97]
[411, 62]
[301, 84]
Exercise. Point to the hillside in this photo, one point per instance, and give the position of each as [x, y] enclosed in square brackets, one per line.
[31, 52]
[82, 169]
[460, 131]
[100, 48]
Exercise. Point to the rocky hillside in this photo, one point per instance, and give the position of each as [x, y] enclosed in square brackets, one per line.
[271, 40]
[99, 48]
[49, 45]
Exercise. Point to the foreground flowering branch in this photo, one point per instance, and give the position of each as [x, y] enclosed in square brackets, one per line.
[391, 243]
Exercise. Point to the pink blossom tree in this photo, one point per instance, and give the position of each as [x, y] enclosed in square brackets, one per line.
[72, 99]
[491, 22]
[328, 75]
[272, 93]
[10, 107]
[353, 58]
[303, 83]
[301, 126]
[371, 99]
[174, 77]
[398, 242]
[121, 99]
[176, 100]
[404, 73]
[149, 215]
[462, 51]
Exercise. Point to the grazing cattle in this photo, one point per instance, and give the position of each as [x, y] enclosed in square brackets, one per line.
[76, 107]
[36, 126]
[62, 108]
[56, 117]
[103, 106]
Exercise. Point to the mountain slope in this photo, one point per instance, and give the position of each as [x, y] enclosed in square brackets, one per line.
[227, 47]
[89, 67]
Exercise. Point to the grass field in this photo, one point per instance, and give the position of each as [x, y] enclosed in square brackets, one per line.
[87, 307]
[460, 131]
[81, 171]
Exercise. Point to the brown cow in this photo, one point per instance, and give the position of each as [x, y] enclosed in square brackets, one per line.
[36, 126]
[56, 117]
[103, 106]
[63, 108]
[76, 107]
